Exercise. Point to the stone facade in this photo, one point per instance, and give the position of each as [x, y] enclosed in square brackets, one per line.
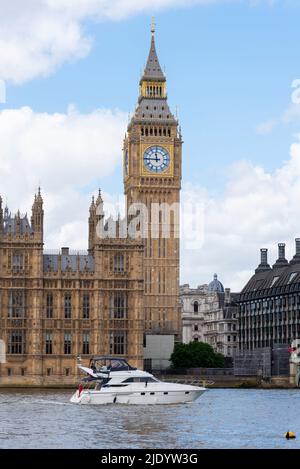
[55, 307]
[209, 314]
[154, 130]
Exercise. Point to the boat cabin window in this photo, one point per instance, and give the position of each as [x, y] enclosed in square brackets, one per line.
[109, 364]
[140, 380]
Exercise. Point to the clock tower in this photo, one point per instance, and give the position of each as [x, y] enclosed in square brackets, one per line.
[152, 176]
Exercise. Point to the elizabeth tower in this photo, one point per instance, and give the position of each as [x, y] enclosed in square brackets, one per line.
[152, 176]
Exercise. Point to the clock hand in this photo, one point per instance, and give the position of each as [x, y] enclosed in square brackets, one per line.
[154, 159]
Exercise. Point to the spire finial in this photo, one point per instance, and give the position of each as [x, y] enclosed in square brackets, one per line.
[153, 26]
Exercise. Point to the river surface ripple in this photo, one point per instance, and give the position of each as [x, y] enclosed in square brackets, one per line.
[221, 418]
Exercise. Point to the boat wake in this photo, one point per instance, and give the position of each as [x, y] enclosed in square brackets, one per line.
[44, 401]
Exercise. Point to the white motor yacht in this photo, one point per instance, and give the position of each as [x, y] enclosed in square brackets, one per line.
[113, 381]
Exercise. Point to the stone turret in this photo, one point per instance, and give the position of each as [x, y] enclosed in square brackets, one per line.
[37, 217]
[96, 215]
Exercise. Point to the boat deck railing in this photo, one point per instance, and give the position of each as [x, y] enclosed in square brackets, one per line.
[194, 381]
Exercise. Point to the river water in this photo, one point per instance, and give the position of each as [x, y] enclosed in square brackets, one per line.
[221, 418]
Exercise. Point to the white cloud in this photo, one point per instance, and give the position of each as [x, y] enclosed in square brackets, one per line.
[64, 153]
[258, 209]
[38, 36]
[291, 114]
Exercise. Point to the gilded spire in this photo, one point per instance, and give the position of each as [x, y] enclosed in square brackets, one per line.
[153, 69]
[152, 102]
[153, 26]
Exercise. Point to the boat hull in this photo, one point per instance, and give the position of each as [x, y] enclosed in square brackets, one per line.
[92, 397]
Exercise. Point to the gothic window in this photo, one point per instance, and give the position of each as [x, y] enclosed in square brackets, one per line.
[196, 327]
[164, 247]
[85, 343]
[17, 261]
[118, 305]
[118, 343]
[49, 342]
[119, 263]
[17, 304]
[68, 305]
[49, 306]
[67, 343]
[86, 306]
[16, 342]
[196, 307]
[164, 282]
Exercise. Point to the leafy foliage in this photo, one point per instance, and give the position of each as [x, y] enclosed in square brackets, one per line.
[196, 355]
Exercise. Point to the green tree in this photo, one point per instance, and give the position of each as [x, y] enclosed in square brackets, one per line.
[196, 355]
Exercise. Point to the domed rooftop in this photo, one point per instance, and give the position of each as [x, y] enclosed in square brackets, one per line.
[216, 285]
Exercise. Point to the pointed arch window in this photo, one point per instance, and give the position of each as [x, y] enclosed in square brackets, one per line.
[118, 305]
[17, 304]
[68, 305]
[119, 263]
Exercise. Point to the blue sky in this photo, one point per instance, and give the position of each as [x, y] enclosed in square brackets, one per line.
[229, 69]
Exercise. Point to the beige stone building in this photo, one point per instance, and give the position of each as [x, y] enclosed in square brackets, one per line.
[57, 306]
[209, 314]
[152, 176]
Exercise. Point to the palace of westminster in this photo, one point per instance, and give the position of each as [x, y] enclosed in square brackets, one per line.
[122, 297]
[56, 307]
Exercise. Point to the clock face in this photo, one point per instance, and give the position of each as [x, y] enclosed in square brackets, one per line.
[126, 161]
[156, 159]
